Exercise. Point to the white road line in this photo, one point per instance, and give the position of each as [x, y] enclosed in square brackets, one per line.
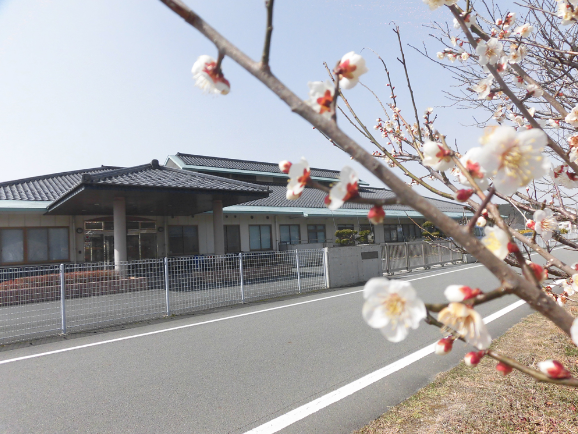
[314, 406]
[109, 341]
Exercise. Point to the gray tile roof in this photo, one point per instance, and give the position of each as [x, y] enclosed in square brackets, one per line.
[258, 166]
[153, 175]
[46, 187]
[313, 198]
[52, 187]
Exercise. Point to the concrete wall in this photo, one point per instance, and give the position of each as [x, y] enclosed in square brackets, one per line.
[353, 265]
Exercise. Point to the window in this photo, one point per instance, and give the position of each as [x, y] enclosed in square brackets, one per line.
[316, 233]
[290, 234]
[232, 239]
[183, 240]
[342, 227]
[400, 233]
[390, 233]
[33, 245]
[260, 237]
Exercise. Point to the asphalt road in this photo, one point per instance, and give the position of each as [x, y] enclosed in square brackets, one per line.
[232, 370]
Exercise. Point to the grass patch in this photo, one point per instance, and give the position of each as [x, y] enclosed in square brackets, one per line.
[480, 400]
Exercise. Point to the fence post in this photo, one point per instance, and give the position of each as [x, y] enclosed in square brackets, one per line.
[407, 264]
[167, 282]
[441, 253]
[423, 255]
[63, 299]
[388, 257]
[325, 267]
[241, 276]
[298, 273]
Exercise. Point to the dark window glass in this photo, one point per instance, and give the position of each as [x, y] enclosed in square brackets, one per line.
[316, 233]
[232, 239]
[342, 227]
[95, 226]
[183, 240]
[290, 234]
[108, 226]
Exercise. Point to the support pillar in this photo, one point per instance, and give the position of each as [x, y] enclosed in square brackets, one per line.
[218, 227]
[119, 217]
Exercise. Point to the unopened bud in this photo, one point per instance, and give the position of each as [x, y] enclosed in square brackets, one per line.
[473, 358]
[554, 369]
[513, 247]
[444, 346]
[284, 166]
[463, 195]
[503, 368]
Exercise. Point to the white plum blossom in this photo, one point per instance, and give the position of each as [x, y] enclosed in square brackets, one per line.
[496, 240]
[568, 12]
[208, 78]
[350, 68]
[489, 52]
[436, 156]
[470, 161]
[465, 56]
[524, 30]
[346, 188]
[299, 175]
[572, 117]
[553, 123]
[440, 55]
[513, 158]
[434, 4]
[517, 54]
[484, 87]
[467, 323]
[534, 90]
[469, 20]
[481, 222]
[452, 57]
[392, 306]
[545, 223]
[561, 175]
[321, 97]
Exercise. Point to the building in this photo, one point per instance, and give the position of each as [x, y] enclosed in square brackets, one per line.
[191, 205]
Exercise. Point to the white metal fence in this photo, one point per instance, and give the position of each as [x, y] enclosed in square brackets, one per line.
[44, 300]
[407, 256]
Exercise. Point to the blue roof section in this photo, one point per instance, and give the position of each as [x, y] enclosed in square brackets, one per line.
[314, 199]
[244, 167]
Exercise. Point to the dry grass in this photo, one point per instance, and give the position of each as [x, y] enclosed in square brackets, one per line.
[480, 400]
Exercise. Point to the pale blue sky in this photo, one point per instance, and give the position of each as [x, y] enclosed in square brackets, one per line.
[92, 82]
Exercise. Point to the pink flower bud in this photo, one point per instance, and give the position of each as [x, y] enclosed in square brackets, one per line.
[531, 224]
[376, 215]
[513, 247]
[284, 166]
[539, 272]
[485, 213]
[459, 293]
[463, 195]
[444, 346]
[503, 368]
[474, 357]
[554, 369]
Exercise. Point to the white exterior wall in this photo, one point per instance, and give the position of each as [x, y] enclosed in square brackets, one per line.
[205, 227]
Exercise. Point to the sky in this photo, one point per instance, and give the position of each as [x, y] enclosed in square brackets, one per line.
[107, 82]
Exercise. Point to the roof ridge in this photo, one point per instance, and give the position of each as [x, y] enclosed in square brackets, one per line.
[178, 154]
[52, 175]
[115, 172]
[220, 178]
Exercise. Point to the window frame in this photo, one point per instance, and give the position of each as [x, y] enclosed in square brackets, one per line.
[260, 240]
[298, 234]
[24, 230]
[310, 241]
[182, 238]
